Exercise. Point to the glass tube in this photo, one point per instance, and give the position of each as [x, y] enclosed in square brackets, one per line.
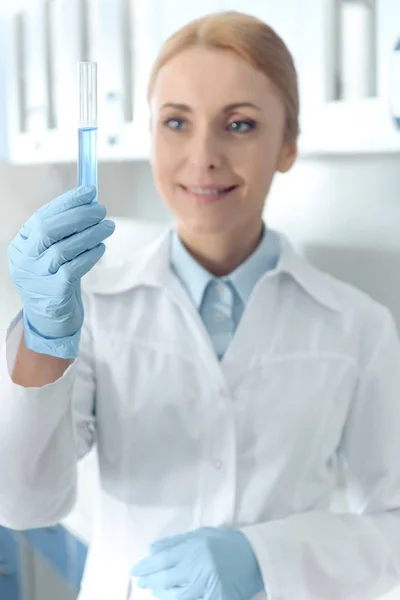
[87, 124]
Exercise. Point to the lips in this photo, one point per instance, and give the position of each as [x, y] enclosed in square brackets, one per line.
[207, 194]
[208, 190]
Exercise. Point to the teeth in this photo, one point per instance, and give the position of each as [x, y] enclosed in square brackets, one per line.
[205, 192]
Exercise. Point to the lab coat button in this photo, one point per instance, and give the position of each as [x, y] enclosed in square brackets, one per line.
[217, 464]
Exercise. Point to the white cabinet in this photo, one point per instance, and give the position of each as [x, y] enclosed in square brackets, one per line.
[46, 38]
[360, 120]
[43, 43]
[27, 95]
[36, 59]
[111, 31]
[67, 45]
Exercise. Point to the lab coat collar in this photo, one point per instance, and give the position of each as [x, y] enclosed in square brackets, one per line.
[311, 279]
[151, 268]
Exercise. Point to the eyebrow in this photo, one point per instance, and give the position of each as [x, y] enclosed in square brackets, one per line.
[226, 109]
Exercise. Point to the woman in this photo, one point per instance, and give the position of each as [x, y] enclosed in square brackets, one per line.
[222, 377]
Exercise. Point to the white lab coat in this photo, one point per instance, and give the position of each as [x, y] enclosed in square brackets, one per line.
[311, 378]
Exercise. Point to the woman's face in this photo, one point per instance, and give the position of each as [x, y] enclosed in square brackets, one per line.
[217, 139]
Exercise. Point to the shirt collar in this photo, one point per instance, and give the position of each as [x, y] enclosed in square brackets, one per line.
[264, 258]
[195, 278]
[151, 267]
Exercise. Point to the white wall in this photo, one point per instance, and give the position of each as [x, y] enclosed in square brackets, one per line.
[344, 215]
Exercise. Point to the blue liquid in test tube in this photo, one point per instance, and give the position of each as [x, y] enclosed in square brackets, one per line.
[87, 163]
[87, 126]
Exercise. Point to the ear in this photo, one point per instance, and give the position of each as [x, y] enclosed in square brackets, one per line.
[287, 157]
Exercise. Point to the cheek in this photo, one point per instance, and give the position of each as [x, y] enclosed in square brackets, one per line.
[264, 166]
[164, 162]
[264, 160]
[255, 166]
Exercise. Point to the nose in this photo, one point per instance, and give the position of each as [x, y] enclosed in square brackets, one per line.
[205, 151]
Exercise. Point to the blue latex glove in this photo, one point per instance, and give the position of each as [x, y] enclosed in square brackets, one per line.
[59, 244]
[210, 563]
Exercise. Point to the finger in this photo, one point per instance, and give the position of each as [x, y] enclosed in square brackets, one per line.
[168, 542]
[71, 199]
[55, 228]
[58, 284]
[174, 540]
[74, 245]
[187, 592]
[82, 264]
[158, 562]
[164, 579]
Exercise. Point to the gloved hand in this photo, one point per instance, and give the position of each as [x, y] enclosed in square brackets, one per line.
[59, 244]
[209, 563]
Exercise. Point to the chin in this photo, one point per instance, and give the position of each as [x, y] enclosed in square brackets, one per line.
[208, 226]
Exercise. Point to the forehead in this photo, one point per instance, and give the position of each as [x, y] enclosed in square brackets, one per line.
[199, 75]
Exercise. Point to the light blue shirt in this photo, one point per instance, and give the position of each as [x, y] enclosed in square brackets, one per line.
[222, 300]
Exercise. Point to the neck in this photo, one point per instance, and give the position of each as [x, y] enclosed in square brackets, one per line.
[220, 254]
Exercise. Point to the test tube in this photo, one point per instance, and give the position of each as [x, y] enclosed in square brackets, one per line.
[87, 124]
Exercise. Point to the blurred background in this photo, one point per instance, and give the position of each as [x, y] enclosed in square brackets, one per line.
[339, 205]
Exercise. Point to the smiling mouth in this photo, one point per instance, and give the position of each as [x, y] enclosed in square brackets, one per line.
[208, 194]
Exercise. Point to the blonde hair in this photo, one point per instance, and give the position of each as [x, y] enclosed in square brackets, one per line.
[249, 38]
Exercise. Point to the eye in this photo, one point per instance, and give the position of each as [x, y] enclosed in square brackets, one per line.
[242, 126]
[175, 124]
